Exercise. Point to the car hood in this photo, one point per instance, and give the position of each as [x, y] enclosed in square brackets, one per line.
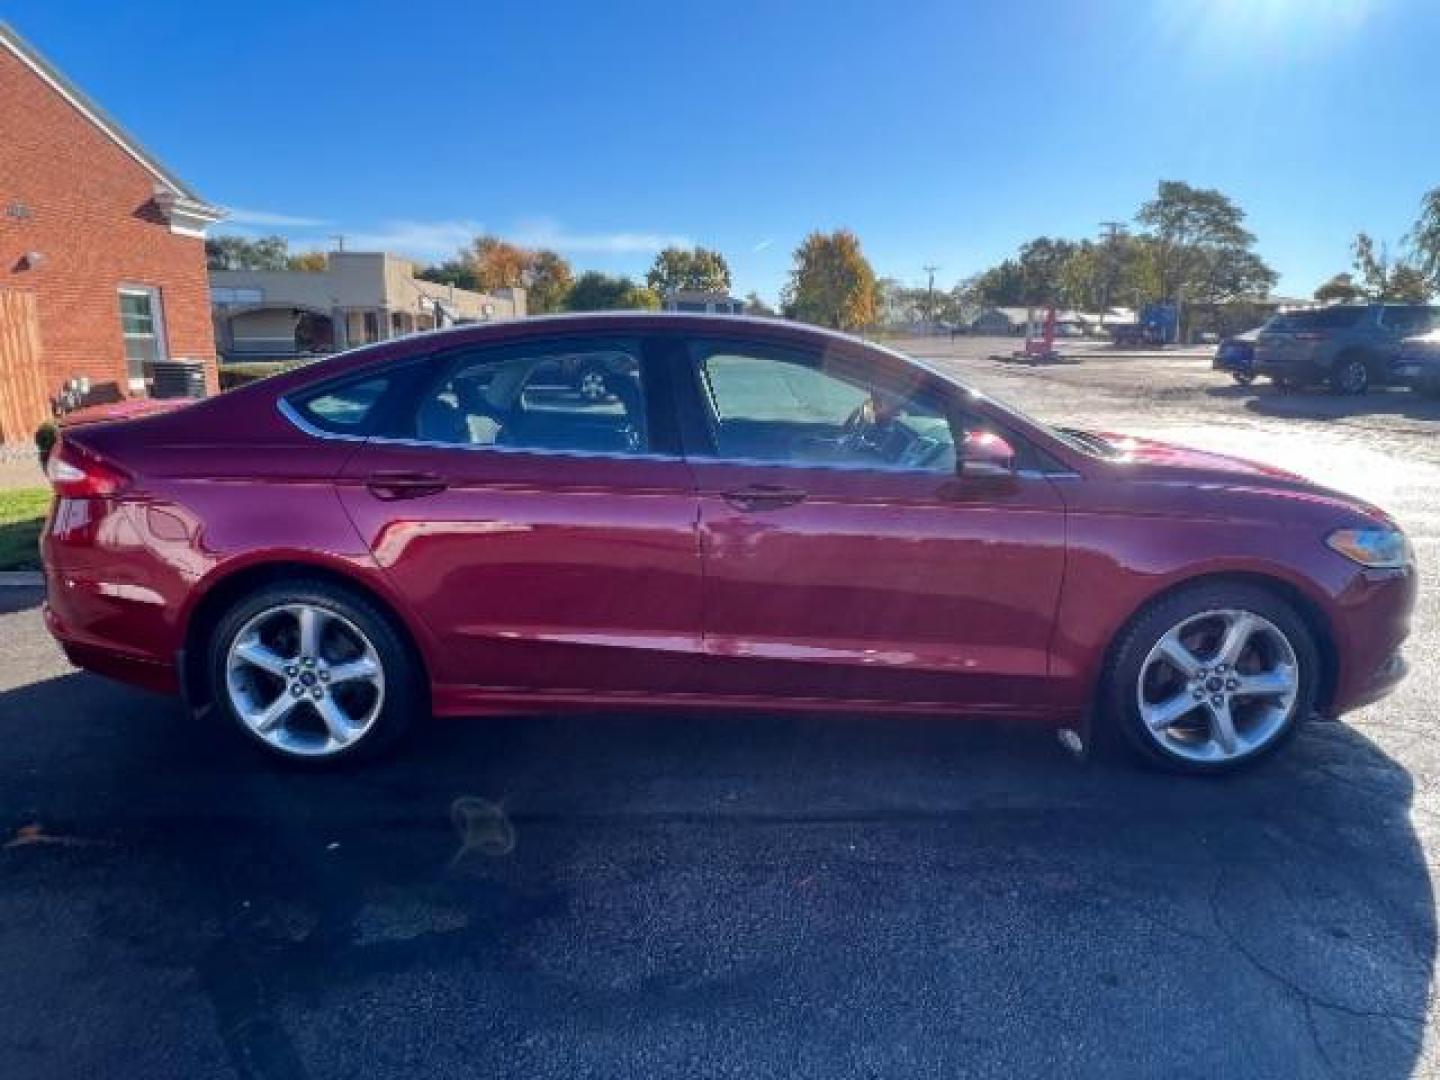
[1149, 459]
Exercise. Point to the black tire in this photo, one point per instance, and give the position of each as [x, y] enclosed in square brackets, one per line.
[1350, 375]
[1119, 696]
[1244, 378]
[404, 689]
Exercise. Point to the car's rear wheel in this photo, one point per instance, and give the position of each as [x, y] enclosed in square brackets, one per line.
[313, 672]
[1213, 678]
[1350, 375]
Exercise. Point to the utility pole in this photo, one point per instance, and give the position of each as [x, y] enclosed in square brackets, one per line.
[1113, 231]
[339, 239]
[930, 293]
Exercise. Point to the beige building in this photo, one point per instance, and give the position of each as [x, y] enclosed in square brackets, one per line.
[360, 297]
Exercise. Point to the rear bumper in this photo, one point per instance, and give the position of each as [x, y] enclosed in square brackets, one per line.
[84, 616]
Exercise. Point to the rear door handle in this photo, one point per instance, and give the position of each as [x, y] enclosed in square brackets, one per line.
[404, 485]
[764, 497]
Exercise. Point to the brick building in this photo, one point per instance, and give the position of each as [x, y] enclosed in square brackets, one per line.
[100, 243]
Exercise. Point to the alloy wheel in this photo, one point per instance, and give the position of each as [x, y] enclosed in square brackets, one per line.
[304, 679]
[1218, 686]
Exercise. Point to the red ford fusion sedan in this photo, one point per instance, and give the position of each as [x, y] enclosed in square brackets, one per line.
[657, 511]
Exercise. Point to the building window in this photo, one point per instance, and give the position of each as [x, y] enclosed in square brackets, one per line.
[372, 327]
[142, 323]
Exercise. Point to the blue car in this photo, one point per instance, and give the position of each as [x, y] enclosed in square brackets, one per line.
[1418, 363]
[1237, 356]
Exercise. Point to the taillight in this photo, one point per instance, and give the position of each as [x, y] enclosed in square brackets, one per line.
[77, 474]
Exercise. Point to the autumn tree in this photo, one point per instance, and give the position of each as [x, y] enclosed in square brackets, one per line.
[548, 279]
[310, 262]
[831, 282]
[496, 263]
[697, 269]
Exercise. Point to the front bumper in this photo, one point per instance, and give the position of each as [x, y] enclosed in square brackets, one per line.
[1372, 622]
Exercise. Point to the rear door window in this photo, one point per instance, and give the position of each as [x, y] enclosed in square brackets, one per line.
[577, 397]
[1331, 318]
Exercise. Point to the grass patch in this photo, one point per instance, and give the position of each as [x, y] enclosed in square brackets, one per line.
[22, 514]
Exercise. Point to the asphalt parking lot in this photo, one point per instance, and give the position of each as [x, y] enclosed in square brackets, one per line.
[752, 896]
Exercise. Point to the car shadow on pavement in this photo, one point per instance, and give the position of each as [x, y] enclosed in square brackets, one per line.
[813, 896]
[1318, 404]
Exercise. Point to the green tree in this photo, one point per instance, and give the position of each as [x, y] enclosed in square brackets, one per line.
[831, 282]
[548, 281]
[1196, 248]
[1384, 278]
[756, 306]
[1042, 263]
[698, 268]
[594, 291]
[1002, 285]
[242, 253]
[1341, 288]
[1425, 238]
[457, 272]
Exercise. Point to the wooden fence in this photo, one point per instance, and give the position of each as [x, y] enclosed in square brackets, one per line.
[24, 404]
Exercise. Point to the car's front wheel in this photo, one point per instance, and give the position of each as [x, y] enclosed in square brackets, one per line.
[1351, 375]
[1213, 678]
[312, 672]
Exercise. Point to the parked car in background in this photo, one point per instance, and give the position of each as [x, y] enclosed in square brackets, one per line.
[756, 515]
[1418, 363]
[1237, 356]
[1349, 347]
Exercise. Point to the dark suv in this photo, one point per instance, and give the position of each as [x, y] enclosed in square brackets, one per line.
[1349, 346]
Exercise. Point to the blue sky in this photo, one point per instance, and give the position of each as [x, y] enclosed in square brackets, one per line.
[943, 133]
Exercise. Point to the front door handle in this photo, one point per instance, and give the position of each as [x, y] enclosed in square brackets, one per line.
[404, 485]
[764, 497]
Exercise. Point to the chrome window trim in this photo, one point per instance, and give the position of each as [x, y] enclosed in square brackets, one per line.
[537, 451]
[292, 414]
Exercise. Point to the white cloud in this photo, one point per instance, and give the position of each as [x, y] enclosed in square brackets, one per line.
[436, 240]
[544, 233]
[241, 216]
[425, 240]
[768, 242]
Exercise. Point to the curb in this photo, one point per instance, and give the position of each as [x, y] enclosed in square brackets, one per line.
[22, 579]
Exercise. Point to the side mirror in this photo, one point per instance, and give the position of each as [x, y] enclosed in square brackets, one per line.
[985, 455]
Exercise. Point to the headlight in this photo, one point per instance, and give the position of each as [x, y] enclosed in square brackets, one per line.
[1379, 549]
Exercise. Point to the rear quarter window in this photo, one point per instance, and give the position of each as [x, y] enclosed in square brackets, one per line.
[347, 408]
